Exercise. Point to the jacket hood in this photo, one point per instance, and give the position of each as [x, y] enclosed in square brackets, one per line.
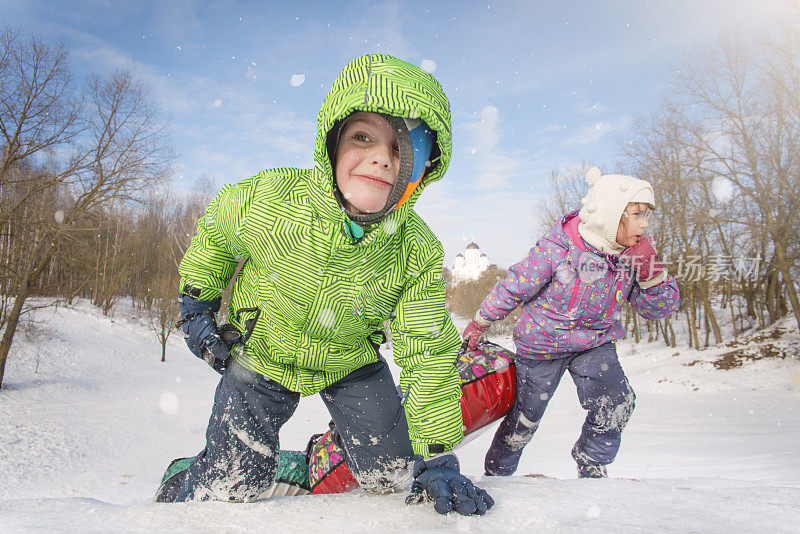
[558, 232]
[565, 234]
[380, 83]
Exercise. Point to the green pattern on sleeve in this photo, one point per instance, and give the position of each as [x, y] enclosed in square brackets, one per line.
[425, 343]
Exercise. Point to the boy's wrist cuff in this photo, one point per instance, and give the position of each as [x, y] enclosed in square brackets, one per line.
[429, 450]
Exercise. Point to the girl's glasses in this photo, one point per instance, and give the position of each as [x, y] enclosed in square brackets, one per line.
[638, 215]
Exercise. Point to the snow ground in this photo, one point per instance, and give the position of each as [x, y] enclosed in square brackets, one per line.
[89, 419]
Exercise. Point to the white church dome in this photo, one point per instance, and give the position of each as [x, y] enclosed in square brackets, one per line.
[470, 264]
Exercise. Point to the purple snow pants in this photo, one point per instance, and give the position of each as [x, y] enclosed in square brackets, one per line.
[603, 391]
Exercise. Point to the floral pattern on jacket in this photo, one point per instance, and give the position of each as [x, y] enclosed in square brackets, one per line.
[571, 295]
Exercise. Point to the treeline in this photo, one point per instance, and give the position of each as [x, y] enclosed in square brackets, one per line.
[84, 167]
[723, 154]
[464, 297]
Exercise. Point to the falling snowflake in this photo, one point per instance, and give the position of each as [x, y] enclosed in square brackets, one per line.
[565, 274]
[217, 103]
[297, 80]
[168, 402]
[428, 65]
[722, 188]
[489, 113]
[390, 226]
[436, 331]
[59, 216]
[326, 318]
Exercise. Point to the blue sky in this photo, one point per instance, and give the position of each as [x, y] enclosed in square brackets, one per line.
[533, 85]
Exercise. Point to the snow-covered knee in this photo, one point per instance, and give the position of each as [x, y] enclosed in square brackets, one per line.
[229, 478]
[612, 412]
[625, 409]
[391, 477]
[523, 430]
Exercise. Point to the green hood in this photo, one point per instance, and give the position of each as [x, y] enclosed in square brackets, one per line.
[380, 84]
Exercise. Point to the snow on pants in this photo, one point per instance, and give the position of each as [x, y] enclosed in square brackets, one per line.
[603, 390]
[241, 453]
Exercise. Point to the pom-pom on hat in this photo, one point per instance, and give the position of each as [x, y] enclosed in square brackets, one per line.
[604, 203]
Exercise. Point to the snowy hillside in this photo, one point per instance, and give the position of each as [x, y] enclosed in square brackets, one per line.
[89, 419]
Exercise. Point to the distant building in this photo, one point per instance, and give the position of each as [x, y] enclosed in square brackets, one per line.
[471, 264]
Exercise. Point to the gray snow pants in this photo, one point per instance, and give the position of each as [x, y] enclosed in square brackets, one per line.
[241, 453]
[603, 390]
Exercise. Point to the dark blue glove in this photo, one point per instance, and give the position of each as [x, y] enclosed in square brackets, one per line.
[200, 330]
[444, 484]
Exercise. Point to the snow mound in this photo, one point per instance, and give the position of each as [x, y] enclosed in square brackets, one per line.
[90, 418]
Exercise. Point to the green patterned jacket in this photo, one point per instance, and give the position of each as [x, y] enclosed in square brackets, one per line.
[318, 296]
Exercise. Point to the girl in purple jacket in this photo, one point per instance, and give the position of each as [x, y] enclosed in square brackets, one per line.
[571, 287]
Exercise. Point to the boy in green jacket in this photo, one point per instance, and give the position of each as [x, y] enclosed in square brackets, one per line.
[331, 253]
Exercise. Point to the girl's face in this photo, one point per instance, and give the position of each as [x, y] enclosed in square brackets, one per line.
[367, 163]
[633, 223]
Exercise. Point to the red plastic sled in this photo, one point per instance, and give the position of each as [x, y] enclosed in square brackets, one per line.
[327, 471]
[488, 389]
[488, 385]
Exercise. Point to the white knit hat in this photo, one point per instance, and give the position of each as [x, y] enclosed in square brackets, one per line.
[603, 205]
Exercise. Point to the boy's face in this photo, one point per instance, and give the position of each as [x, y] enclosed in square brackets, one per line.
[633, 224]
[367, 162]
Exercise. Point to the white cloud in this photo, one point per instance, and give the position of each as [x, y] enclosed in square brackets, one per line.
[248, 132]
[100, 56]
[591, 133]
[494, 166]
[596, 108]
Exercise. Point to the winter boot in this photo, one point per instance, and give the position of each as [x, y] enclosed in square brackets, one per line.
[592, 471]
[172, 479]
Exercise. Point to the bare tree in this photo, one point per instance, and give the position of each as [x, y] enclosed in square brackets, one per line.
[113, 150]
[164, 313]
[722, 153]
[565, 192]
[37, 113]
[188, 212]
[750, 139]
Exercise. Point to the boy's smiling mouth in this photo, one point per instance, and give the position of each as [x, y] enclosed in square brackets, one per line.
[369, 178]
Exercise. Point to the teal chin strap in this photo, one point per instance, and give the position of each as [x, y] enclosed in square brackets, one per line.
[353, 229]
